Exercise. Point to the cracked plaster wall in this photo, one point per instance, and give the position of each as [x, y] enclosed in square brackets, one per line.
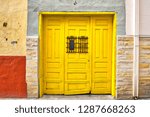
[13, 21]
[74, 5]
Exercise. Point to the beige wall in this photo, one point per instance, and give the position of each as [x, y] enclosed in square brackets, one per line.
[145, 17]
[13, 14]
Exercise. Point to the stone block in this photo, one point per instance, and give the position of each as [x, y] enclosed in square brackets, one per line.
[124, 67]
[32, 67]
[144, 83]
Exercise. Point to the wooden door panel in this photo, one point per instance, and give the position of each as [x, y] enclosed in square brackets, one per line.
[102, 58]
[77, 68]
[53, 55]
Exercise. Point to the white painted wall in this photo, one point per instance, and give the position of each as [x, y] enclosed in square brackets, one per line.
[141, 27]
[132, 28]
[129, 17]
[145, 17]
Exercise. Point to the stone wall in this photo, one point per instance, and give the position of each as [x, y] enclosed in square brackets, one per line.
[32, 66]
[144, 81]
[124, 67]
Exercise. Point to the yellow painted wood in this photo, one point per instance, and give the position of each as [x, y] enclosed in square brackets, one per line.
[77, 65]
[102, 55]
[40, 69]
[53, 55]
[77, 13]
[114, 55]
[78, 73]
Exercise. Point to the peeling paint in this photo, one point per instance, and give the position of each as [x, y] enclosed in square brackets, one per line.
[13, 22]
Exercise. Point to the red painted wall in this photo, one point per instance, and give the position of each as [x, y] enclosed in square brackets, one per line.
[12, 77]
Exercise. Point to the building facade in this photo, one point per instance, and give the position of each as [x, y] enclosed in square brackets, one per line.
[13, 22]
[75, 47]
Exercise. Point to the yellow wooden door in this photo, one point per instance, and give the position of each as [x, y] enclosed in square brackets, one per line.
[101, 55]
[53, 55]
[77, 62]
[77, 70]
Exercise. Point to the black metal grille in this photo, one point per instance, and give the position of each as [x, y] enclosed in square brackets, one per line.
[83, 44]
[72, 44]
[77, 45]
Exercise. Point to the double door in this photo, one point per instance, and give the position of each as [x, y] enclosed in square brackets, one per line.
[77, 54]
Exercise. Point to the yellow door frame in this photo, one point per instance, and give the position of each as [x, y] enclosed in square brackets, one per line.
[40, 48]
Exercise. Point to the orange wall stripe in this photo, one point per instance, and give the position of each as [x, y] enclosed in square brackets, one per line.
[12, 77]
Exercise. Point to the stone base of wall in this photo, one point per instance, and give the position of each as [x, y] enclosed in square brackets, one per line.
[144, 82]
[124, 67]
[32, 67]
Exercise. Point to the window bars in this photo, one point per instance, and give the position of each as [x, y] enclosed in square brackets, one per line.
[77, 44]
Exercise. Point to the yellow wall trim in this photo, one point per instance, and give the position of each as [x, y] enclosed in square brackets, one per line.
[77, 13]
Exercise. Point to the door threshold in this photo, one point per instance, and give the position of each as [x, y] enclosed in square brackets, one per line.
[77, 97]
